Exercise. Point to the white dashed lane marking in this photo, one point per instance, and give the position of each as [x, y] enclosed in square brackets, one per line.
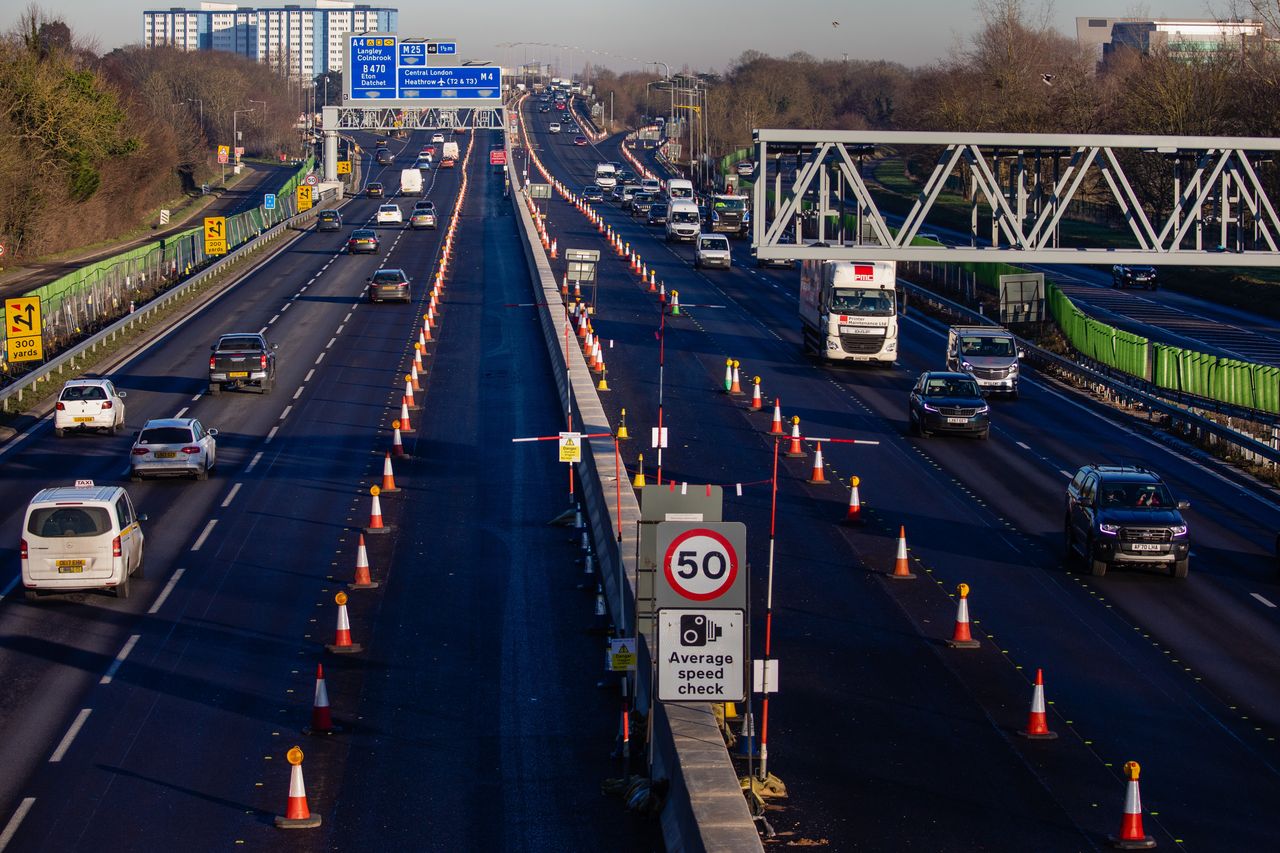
[204, 534]
[164, 593]
[231, 495]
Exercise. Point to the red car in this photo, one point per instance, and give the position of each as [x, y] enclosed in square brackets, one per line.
[579, 140]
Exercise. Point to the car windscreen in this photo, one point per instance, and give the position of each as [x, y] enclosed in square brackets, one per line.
[1136, 495]
[710, 244]
[863, 300]
[986, 347]
[83, 392]
[165, 435]
[69, 521]
[951, 388]
[362, 235]
[687, 217]
[730, 204]
[388, 277]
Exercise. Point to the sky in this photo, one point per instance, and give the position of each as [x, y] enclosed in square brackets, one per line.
[693, 34]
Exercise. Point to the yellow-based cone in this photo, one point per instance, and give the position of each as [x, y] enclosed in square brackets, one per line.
[638, 482]
[623, 435]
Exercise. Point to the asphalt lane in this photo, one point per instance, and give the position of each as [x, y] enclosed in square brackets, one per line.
[1135, 662]
[237, 567]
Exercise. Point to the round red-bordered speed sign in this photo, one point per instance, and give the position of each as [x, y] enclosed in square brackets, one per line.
[700, 564]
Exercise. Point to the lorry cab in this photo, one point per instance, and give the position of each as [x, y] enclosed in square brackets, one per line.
[849, 310]
[989, 354]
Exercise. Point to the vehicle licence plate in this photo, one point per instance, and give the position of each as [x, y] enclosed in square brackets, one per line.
[957, 420]
[67, 567]
[166, 454]
[238, 374]
[861, 330]
[1143, 546]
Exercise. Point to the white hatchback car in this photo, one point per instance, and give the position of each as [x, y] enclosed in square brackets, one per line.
[88, 404]
[173, 447]
[389, 214]
[80, 537]
[437, 138]
[712, 251]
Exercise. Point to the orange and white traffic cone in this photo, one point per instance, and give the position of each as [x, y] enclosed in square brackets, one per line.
[1131, 836]
[653, 281]
[735, 387]
[819, 475]
[432, 322]
[1038, 721]
[297, 814]
[408, 393]
[554, 245]
[577, 290]
[321, 715]
[397, 446]
[564, 287]
[375, 513]
[796, 449]
[901, 568]
[413, 374]
[405, 425]
[776, 429]
[417, 358]
[362, 580]
[757, 404]
[342, 644]
[388, 476]
[961, 638]
[854, 514]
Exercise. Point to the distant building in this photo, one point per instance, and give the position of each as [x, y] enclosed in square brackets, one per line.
[301, 41]
[1180, 37]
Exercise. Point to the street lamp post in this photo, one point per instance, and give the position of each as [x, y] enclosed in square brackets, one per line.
[235, 132]
[264, 114]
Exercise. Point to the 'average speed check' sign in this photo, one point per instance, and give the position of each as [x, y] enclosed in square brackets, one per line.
[701, 564]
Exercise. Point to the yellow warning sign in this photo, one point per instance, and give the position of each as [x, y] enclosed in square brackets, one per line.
[215, 235]
[304, 197]
[224, 153]
[622, 656]
[570, 447]
[344, 167]
[24, 329]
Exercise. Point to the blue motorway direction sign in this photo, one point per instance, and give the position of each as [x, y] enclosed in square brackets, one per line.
[426, 81]
[372, 63]
[269, 201]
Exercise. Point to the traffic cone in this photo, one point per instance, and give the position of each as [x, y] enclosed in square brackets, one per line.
[417, 359]
[675, 303]
[818, 477]
[653, 281]
[901, 569]
[564, 287]
[623, 435]
[776, 429]
[405, 426]
[388, 476]
[577, 290]
[603, 384]
[297, 814]
[796, 450]
[1037, 721]
[638, 482]
[432, 322]
[362, 579]
[756, 402]
[342, 644]
[662, 293]
[428, 320]
[553, 250]
[375, 513]
[960, 636]
[397, 446]
[413, 374]
[321, 715]
[408, 393]
[1131, 836]
[728, 374]
[600, 619]
[854, 513]
[735, 388]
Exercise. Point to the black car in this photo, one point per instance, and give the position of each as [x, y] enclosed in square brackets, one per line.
[942, 401]
[328, 220]
[592, 192]
[1125, 514]
[1124, 275]
[658, 213]
[384, 157]
[640, 203]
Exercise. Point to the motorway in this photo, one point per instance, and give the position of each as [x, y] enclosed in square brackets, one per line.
[473, 719]
[885, 737]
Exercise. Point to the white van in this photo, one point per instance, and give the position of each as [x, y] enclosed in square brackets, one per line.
[679, 188]
[683, 221]
[80, 537]
[606, 176]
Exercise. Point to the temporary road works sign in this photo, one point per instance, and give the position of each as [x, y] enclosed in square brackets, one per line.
[224, 153]
[24, 328]
[570, 447]
[215, 235]
[304, 197]
[702, 655]
[344, 167]
[701, 564]
[622, 655]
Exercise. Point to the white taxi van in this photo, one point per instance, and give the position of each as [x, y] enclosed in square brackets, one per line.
[81, 537]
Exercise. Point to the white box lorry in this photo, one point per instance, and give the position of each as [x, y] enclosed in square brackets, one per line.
[849, 310]
[411, 182]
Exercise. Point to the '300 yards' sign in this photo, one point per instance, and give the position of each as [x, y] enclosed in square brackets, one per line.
[702, 563]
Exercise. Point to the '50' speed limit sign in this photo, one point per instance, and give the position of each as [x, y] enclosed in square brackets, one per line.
[702, 562]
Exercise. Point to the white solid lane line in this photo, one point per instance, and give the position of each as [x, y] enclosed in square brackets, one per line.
[11, 828]
[164, 593]
[1263, 600]
[204, 534]
[65, 743]
[231, 495]
[124, 653]
[253, 461]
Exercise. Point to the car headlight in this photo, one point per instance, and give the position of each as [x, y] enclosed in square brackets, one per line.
[1179, 530]
[746, 217]
[929, 408]
[983, 410]
[1109, 529]
[964, 365]
[1013, 369]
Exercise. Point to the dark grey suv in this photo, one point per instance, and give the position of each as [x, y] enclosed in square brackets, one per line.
[1126, 275]
[943, 401]
[1123, 514]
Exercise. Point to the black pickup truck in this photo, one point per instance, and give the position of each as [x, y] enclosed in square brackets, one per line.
[242, 359]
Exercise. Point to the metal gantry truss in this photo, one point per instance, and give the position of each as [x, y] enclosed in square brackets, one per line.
[461, 114]
[1192, 199]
